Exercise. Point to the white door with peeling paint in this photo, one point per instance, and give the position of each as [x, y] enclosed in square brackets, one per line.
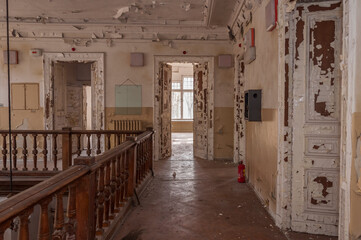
[317, 32]
[200, 121]
[165, 83]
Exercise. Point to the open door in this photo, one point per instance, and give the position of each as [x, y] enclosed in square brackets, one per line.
[165, 82]
[200, 121]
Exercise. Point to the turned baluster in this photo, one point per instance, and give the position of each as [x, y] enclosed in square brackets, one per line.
[59, 216]
[15, 152]
[126, 173]
[143, 161]
[108, 141]
[45, 152]
[4, 152]
[24, 225]
[122, 177]
[88, 151]
[55, 151]
[113, 186]
[100, 202]
[3, 227]
[107, 191]
[119, 139]
[98, 144]
[25, 152]
[71, 212]
[44, 228]
[137, 173]
[78, 136]
[96, 184]
[118, 182]
[139, 162]
[144, 158]
[35, 152]
[149, 150]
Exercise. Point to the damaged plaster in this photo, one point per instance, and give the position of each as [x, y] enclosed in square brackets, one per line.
[316, 42]
[239, 123]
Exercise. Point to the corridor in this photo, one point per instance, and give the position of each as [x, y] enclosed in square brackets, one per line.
[193, 199]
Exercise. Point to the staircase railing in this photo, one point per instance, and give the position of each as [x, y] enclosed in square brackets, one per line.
[95, 192]
[43, 152]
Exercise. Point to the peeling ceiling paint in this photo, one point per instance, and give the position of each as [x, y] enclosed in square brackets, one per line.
[138, 19]
[144, 12]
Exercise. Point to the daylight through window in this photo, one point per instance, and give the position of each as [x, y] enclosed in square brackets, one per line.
[182, 99]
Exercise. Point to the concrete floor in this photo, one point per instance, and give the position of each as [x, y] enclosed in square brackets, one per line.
[203, 201]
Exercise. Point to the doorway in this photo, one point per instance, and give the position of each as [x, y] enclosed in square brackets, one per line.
[202, 105]
[182, 88]
[72, 95]
[97, 85]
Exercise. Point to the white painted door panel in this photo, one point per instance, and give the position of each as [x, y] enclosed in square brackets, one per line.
[317, 32]
[165, 83]
[200, 121]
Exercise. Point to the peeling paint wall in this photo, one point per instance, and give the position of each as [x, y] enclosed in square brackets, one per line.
[261, 138]
[350, 204]
[239, 121]
[201, 108]
[19, 116]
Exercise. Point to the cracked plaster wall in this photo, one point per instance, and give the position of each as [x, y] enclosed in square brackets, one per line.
[351, 64]
[262, 137]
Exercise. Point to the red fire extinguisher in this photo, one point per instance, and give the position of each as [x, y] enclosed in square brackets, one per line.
[241, 172]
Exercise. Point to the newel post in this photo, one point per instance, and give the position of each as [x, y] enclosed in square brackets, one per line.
[132, 166]
[85, 201]
[66, 147]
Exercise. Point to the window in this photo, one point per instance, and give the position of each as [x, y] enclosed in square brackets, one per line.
[182, 99]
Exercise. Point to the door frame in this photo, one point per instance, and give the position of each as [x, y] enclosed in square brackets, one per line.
[97, 85]
[239, 135]
[158, 60]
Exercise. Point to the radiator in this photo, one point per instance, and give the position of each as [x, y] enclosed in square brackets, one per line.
[125, 125]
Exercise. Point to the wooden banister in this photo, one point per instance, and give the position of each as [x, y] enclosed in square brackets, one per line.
[46, 152]
[98, 189]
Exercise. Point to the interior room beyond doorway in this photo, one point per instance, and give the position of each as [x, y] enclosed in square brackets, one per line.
[182, 111]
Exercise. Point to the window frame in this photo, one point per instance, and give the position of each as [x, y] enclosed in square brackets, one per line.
[182, 90]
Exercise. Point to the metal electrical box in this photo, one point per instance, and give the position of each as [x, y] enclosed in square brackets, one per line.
[253, 105]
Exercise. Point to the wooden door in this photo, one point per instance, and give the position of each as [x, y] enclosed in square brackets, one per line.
[316, 46]
[165, 83]
[200, 121]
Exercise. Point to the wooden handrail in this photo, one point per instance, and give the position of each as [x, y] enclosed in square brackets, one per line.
[106, 181]
[73, 131]
[30, 197]
[106, 156]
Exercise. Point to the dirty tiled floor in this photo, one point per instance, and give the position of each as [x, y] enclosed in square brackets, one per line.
[202, 202]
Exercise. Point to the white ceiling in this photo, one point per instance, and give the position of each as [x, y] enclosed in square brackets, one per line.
[204, 13]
